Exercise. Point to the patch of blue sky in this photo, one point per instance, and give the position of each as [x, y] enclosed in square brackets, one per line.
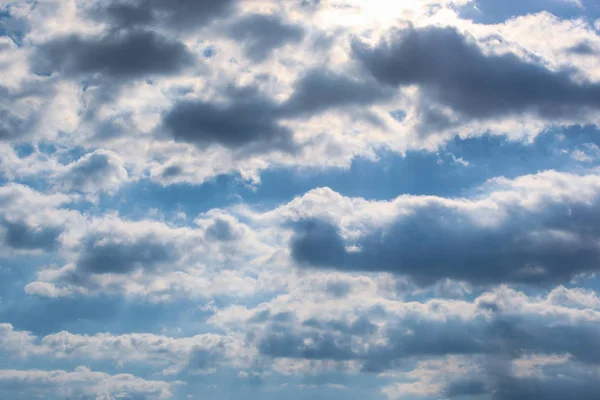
[92, 314]
[459, 169]
[326, 386]
[494, 11]
[11, 27]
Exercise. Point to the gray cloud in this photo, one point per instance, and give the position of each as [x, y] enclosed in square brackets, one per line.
[101, 170]
[510, 387]
[436, 242]
[174, 14]
[498, 336]
[498, 381]
[118, 55]
[21, 236]
[583, 49]
[247, 121]
[261, 34]
[251, 122]
[12, 126]
[320, 90]
[101, 255]
[339, 289]
[452, 70]
[17, 121]
[222, 230]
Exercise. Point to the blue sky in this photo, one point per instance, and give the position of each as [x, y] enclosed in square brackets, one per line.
[334, 199]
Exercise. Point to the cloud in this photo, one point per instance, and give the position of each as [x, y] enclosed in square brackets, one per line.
[152, 259]
[174, 355]
[583, 49]
[501, 238]
[261, 34]
[175, 14]
[30, 220]
[21, 110]
[451, 70]
[98, 171]
[248, 121]
[20, 236]
[81, 383]
[379, 336]
[223, 230]
[121, 249]
[116, 55]
[320, 90]
[100, 255]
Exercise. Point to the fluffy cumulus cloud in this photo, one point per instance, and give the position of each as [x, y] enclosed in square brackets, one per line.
[451, 71]
[299, 199]
[536, 229]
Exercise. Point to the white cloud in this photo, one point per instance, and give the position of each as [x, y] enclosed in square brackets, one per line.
[82, 382]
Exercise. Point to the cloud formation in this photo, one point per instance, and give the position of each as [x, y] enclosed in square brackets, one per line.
[499, 239]
[118, 55]
[452, 70]
[299, 199]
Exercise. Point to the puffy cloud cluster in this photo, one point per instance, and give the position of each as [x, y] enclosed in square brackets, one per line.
[536, 229]
[252, 84]
[82, 383]
[192, 199]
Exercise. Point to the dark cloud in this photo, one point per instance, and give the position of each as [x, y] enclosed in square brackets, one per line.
[583, 49]
[434, 242]
[338, 289]
[510, 387]
[320, 90]
[19, 235]
[322, 346]
[102, 255]
[248, 120]
[465, 387]
[318, 243]
[124, 14]
[118, 55]
[499, 336]
[361, 326]
[17, 123]
[174, 14]
[451, 70]
[261, 34]
[202, 359]
[251, 122]
[13, 126]
[96, 171]
[222, 230]
[172, 171]
[497, 380]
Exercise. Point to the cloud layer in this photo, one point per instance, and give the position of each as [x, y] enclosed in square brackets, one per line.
[301, 199]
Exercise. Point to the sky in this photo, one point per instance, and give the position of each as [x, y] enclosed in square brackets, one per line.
[299, 199]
